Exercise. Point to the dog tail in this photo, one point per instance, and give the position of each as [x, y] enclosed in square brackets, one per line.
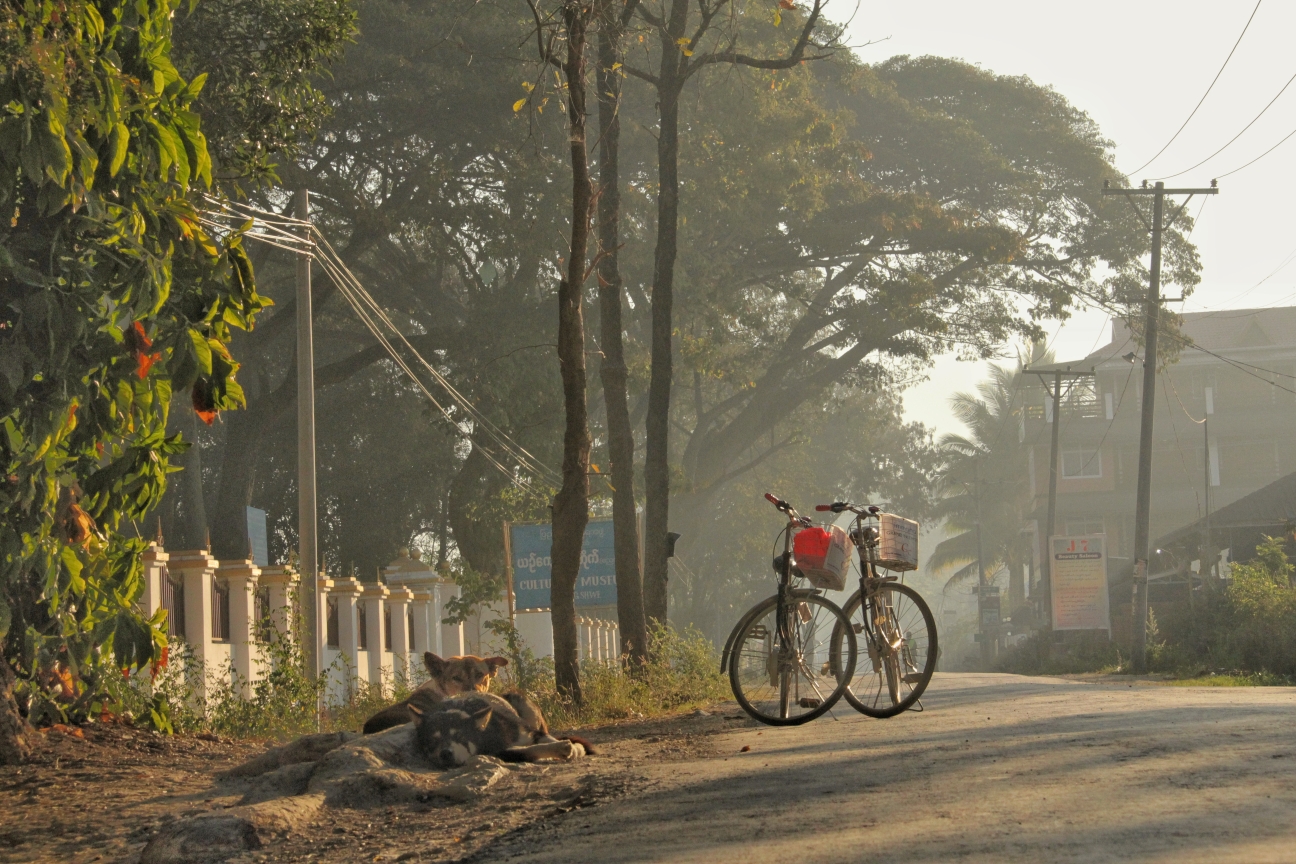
[576, 739]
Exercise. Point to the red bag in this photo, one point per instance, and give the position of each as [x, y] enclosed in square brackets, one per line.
[823, 556]
[810, 546]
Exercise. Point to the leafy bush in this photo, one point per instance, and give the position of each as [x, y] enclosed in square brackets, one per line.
[683, 672]
[1245, 634]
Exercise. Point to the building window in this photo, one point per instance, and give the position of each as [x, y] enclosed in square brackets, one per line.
[1081, 463]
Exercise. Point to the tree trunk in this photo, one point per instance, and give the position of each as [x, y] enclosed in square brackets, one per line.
[571, 504]
[16, 737]
[612, 371]
[657, 423]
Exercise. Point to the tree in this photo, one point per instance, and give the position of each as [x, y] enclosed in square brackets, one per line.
[612, 20]
[986, 496]
[861, 276]
[676, 65]
[114, 298]
[571, 504]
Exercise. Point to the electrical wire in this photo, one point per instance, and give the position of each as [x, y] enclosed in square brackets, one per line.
[274, 230]
[1235, 137]
[1258, 158]
[1207, 93]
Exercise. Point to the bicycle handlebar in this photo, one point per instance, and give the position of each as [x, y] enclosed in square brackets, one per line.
[787, 508]
[839, 506]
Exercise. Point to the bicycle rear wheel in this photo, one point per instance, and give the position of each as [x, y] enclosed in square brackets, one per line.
[790, 674]
[898, 632]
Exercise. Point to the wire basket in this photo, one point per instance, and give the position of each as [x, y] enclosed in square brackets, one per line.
[897, 542]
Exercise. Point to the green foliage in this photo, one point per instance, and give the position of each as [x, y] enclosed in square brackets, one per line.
[475, 590]
[114, 298]
[261, 57]
[1242, 635]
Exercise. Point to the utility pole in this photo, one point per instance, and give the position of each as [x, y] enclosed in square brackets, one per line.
[1152, 315]
[307, 550]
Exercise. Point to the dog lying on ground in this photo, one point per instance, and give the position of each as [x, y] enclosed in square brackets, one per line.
[449, 678]
[510, 728]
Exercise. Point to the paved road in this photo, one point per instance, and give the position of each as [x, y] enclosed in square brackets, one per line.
[997, 768]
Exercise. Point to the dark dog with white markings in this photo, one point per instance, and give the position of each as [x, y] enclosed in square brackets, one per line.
[510, 728]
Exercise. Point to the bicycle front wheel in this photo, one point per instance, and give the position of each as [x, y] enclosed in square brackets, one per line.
[898, 632]
[785, 666]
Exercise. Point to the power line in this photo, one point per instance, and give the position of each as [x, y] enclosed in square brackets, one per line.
[1258, 158]
[1235, 137]
[1208, 90]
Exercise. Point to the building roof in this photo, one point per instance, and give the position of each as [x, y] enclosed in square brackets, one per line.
[1271, 506]
[1215, 331]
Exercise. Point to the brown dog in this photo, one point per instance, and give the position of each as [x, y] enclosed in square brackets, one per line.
[449, 678]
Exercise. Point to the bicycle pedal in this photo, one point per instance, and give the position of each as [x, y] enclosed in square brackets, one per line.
[809, 702]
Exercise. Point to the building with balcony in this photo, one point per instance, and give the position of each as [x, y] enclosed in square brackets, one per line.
[1225, 426]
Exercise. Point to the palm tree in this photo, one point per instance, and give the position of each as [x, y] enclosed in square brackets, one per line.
[985, 484]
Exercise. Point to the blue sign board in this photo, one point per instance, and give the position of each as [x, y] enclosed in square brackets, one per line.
[531, 544]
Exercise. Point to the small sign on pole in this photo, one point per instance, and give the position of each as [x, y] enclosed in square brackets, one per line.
[1079, 583]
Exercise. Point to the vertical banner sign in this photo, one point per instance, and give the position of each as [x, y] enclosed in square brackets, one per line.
[1079, 582]
[530, 545]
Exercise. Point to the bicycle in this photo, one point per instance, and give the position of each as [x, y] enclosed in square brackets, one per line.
[791, 656]
[899, 629]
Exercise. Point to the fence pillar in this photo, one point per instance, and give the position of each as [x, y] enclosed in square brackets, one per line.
[423, 638]
[281, 582]
[241, 578]
[450, 637]
[197, 568]
[399, 601]
[155, 570]
[374, 597]
[347, 592]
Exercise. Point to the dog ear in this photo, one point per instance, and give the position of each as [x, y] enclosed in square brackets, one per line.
[414, 709]
[495, 663]
[433, 663]
[482, 718]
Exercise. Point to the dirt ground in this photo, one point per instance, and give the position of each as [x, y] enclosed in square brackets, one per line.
[98, 793]
[996, 768]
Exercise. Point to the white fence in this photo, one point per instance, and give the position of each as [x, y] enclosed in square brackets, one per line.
[368, 631]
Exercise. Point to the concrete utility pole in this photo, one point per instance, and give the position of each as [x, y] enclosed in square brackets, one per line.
[307, 555]
[1152, 315]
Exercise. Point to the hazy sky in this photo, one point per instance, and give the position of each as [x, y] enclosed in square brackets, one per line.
[1137, 67]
